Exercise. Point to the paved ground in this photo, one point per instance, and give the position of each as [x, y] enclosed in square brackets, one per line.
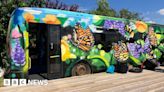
[148, 81]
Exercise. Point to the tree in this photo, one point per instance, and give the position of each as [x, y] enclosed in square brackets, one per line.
[56, 4]
[125, 13]
[103, 9]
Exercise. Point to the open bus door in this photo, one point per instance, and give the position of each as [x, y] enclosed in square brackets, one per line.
[44, 51]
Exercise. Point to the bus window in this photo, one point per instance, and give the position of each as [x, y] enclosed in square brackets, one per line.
[107, 37]
[99, 38]
[65, 31]
[54, 39]
[138, 36]
[54, 52]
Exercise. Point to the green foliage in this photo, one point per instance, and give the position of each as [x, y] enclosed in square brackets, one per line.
[105, 10]
[125, 13]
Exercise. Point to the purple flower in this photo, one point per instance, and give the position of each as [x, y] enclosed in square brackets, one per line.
[139, 48]
[18, 54]
[133, 49]
[111, 24]
[122, 32]
[147, 45]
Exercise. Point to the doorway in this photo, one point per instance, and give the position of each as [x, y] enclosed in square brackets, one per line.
[38, 38]
[44, 51]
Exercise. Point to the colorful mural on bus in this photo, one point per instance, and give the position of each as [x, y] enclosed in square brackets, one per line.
[80, 44]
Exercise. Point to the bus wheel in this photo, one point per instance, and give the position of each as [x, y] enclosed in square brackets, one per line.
[150, 64]
[81, 69]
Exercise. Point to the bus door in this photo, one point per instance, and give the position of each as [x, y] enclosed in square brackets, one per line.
[55, 67]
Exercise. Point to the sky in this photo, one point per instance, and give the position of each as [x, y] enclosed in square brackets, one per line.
[151, 10]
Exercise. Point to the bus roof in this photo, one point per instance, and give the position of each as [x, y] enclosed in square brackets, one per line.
[63, 13]
[34, 10]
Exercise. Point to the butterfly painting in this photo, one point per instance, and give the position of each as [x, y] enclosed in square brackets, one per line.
[152, 37]
[120, 51]
[83, 38]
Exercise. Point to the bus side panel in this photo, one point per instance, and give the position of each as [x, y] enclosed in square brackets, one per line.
[140, 41]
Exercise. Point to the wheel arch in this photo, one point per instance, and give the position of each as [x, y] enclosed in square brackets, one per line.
[85, 61]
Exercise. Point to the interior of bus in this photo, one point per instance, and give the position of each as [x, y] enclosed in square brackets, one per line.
[38, 48]
[107, 37]
[44, 43]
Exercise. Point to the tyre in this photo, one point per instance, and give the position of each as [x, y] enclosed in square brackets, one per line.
[121, 67]
[81, 69]
[150, 64]
[137, 69]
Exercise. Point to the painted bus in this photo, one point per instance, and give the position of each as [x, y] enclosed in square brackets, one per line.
[56, 43]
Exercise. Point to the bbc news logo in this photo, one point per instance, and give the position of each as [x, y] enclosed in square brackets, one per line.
[23, 82]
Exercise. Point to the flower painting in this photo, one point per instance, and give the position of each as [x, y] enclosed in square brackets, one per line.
[17, 54]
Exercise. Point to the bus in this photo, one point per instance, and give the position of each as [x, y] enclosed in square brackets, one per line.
[56, 44]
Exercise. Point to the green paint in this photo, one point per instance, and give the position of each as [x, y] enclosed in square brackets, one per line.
[13, 75]
[99, 57]
[135, 60]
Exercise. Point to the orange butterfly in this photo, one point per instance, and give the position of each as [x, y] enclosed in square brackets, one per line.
[83, 38]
